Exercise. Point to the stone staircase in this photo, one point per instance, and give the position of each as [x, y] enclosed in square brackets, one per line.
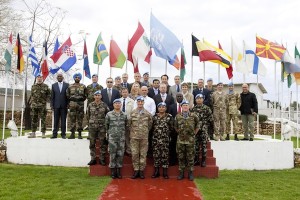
[210, 171]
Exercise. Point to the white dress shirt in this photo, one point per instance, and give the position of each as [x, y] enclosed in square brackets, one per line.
[149, 105]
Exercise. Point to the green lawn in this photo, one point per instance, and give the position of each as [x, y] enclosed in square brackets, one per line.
[258, 185]
[43, 182]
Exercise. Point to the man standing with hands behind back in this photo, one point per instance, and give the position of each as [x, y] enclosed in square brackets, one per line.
[248, 110]
[59, 104]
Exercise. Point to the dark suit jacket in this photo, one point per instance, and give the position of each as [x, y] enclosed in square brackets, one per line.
[151, 92]
[169, 100]
[59, 99]
[115, 94]
[206, 94]
[173, 109]
[128, 86]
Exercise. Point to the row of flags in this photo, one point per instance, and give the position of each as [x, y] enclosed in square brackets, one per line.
[165, 45]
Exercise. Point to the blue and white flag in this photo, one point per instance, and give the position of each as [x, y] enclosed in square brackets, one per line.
[253, 63]
[163, 41]
[53, 68]
[33, 58]
[86, 66]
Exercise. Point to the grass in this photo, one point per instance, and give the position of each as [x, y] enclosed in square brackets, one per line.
[246, 185]
[21, 182]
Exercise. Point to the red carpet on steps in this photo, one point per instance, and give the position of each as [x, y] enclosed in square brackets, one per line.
[154, 189]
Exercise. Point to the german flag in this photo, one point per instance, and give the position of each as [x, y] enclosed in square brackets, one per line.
[19, 52]
[267, 49]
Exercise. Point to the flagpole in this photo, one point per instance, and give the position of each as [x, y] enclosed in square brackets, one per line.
[204, 71]
[4, 112]
[13, 97]
[274, 106]
[218, 73]
[166, 67]
[110, 71]
[127, 57]
[257, 116]
[192, 69]
[281, 115]
[297, 115]
[98, 70]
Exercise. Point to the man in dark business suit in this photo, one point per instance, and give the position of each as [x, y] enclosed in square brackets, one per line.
[163, 96]
[174, 110]
[59, 104]
[125, 82]
[154, 90]
[109, 94]
[201, 90]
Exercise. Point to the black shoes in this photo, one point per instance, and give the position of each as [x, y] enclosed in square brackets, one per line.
[191, 176]
[227, 137]
[236, 138]
[156, 173]
[102, 162]
[135, 175]
[142, 175]
[113, 173]
[92, 162]
[72, 136]
[118, 173]
[251, 139]
[165, 173]
[181, 175]
[53, 137]
[245, 139]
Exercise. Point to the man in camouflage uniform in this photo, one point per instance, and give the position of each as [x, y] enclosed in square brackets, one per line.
[232, 111]
[96, 118]
[140, 123]
[187, 126]
[162, 127]
[118, 84]
[40, 94]
[92, 88]
[211, 90]
[219, 102]
[116, 124]
[205, 119]
[76, 93]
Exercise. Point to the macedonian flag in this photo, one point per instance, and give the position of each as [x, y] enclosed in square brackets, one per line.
[267, 49]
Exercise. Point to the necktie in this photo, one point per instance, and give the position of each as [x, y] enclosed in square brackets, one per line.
[178, 88]
[179, 108]
[163, 97]
[60, 87]
[109, 94]
[123, 108]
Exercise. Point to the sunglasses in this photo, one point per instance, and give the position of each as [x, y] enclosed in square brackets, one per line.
[109, 82]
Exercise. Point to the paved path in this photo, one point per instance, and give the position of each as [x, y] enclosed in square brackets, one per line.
[148, 188]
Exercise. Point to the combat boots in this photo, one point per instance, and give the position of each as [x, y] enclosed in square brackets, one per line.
[92, 162]
[165, 173]
[191, 176]
[79, 135]
[236, 138]
[31, 135]
[142, 176]
[155, 173]
[227, 137]
[135, 174]
[118, 173]
[72, 136]
[102, 162]
[203, 161]
[181, 175]
[113, 173]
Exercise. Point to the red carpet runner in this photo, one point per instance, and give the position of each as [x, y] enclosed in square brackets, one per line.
[159, 188]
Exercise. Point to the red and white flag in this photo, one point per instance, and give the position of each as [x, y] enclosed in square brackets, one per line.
[44, 65]
[139, 47]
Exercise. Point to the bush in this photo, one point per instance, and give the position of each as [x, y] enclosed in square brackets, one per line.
[262, 118]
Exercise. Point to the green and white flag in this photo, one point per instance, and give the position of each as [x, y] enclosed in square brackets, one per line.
[8, 53]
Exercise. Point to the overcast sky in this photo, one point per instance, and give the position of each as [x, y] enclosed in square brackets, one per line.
[212, 20]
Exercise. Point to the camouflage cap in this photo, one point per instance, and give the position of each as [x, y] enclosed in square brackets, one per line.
[161, 104]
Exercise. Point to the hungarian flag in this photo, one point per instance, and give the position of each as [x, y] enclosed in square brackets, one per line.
[7, 54]
[86, 66]
[116, 56]
[44, 66]
[182, 66]
[139, 47]
[19, 52]
[268, 49]
[229, 69]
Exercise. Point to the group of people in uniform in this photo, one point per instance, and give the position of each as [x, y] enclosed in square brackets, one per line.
[145, 119]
